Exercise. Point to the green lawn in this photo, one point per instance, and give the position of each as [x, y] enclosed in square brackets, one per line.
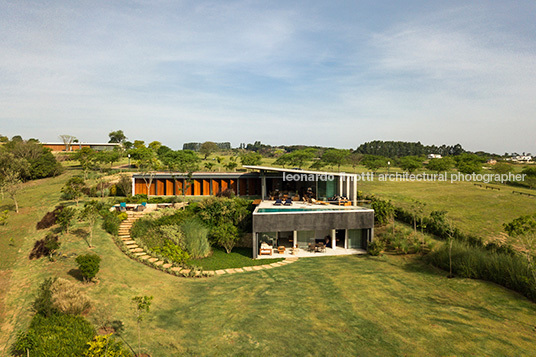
[473, 209]
[391, 305]
[239, 257]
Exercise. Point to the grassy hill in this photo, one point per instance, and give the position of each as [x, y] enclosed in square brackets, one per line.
[390, 305]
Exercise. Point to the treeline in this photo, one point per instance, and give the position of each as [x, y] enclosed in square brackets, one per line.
[402, 148]
[197, 146]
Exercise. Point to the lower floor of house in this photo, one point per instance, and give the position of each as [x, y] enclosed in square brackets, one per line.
[311, 242]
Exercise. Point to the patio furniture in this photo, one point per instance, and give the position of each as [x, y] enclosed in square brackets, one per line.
[281, 249]
[288, 202]
[311, 247]
[278, 202]
[320, 247]
[123, 207]
[265, 249]
[295, 250]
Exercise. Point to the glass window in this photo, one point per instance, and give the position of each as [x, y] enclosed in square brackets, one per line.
[304, 238]
[355, 238]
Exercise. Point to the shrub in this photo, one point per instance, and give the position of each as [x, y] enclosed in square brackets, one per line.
[3, 217]
[195, 238]
[89, 265]
[376, 247]
[111, 222]
[43, 304]
[54, 335]
[45, 247]
[65, 218]
[106, 345]
[173, 252]
[49, 219]
[67, 297]
[509, 270]
[225, 235]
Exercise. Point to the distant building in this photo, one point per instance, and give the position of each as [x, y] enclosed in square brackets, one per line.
[491, 162]
[521, 158]
[434, 156]
[77, 146]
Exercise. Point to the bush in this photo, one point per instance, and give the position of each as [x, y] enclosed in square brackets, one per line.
[45, 247]
[89, 265]
[54, 335]
[106, 345]
[3, 217]
[225, 235]
[376, 247]
[173, 252]
[67, 297]
[49, 219]
[196, 238]
[65, 218]
[43, 304]
[111, 222]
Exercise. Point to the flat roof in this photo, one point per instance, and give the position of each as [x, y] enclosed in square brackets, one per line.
[297, 171]
[78, 143]
[268, 207]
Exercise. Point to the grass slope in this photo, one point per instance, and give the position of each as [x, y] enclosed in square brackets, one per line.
[318, 306]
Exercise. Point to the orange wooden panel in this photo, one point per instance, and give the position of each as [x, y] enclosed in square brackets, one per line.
[139, 187]
[169, 187]
[197, 187]
[159, 183]
[189, 187]
[178, 186]
[232, 184]
[224, 184]
[215, 186]
[243, 186]
[206, 187]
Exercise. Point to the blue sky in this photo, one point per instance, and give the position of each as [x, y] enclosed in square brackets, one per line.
[324, 73]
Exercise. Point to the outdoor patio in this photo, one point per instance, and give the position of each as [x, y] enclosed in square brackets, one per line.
[303, 253]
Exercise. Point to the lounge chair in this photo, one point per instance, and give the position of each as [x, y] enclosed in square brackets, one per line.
[123, 207]
[288, 202]
[278, 202]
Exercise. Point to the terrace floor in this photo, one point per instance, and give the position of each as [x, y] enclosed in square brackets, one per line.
[302, 253]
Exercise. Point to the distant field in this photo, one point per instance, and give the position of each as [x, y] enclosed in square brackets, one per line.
[473, 209]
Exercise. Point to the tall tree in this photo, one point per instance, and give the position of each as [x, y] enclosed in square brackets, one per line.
[207, 148]
[12, 170]
[117, 137]
[67, 140]
[335, 157]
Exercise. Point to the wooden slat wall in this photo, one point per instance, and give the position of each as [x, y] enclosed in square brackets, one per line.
[215, 186]
[243, 186]
[232, 184]
[139, 187]
[178, 186]
[197, 187]
[160, 186]
[224, 184]
[169, 187]
[206, 187]
[190, 188]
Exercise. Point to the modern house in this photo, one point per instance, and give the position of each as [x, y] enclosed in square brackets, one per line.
[298, 210]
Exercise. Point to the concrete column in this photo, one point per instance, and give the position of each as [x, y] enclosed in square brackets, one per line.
[333, 239]
[340, 186]
[346, 239]
[295, 238]
[347, 187]
[263, 188]
[255, 248]
[354, 195]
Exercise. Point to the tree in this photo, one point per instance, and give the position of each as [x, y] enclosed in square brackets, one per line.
[439, 165]
[87, 158]
[65, 218]
[502, 168]
[12, 170]
[142, 305]
[251, 158]
[124, 185]
[410, 163]
[117, 137]
[336, 157]
[89, 265]
[225, 235]
[374, 162]
[231, 165]
[468, 163]
[90, 214]
[155, 145]
[207, 148]
[355, 159]
[67, 140]
[208, 165]
[108, 157]
[138, 144]
[384, 211]
[147, 163]
[74, 188]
